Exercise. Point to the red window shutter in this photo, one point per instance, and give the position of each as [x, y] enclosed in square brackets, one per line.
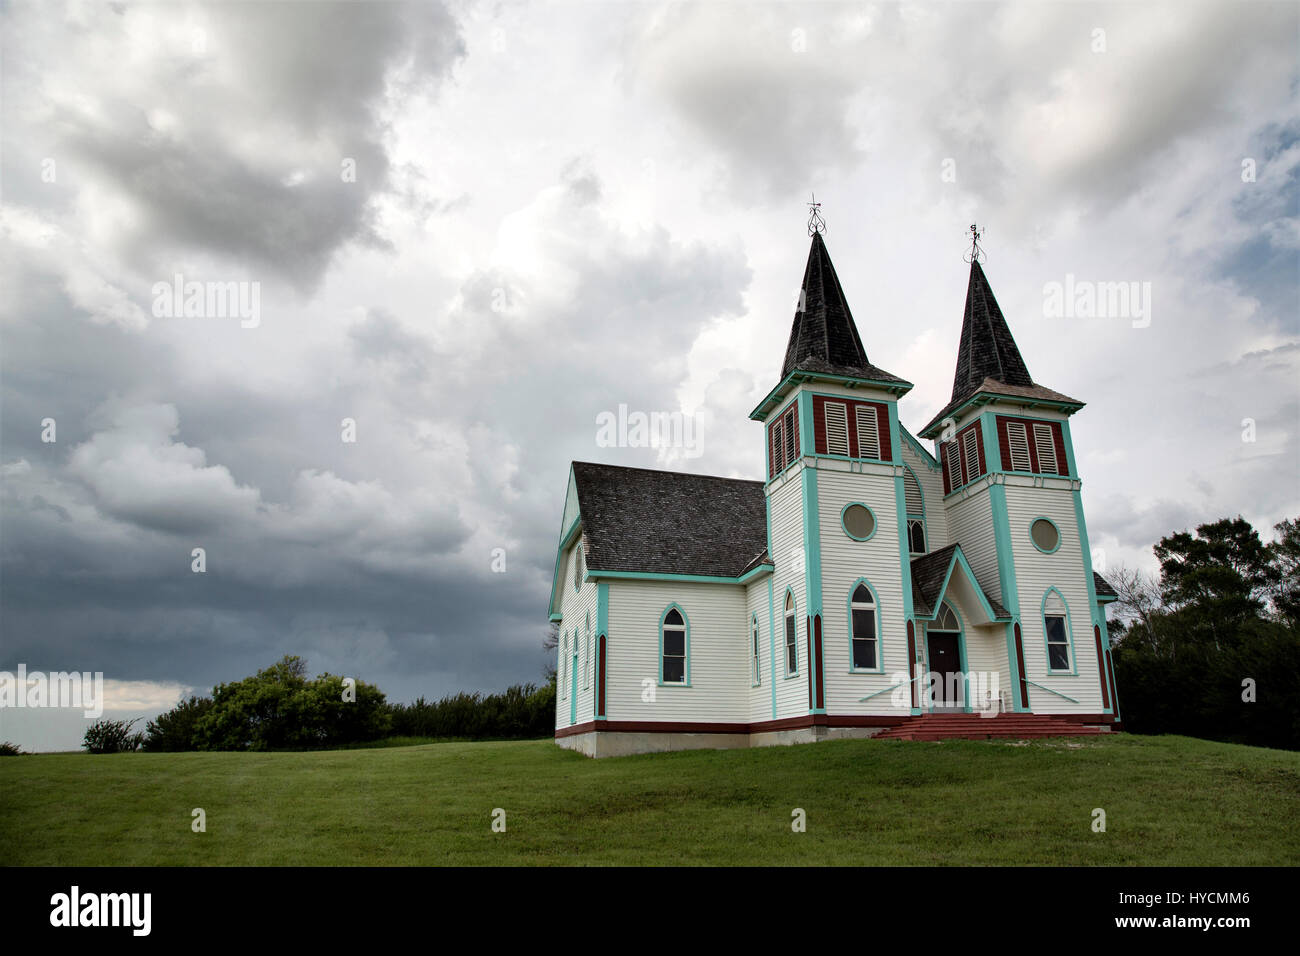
[819, 424]
[1062, 465]
[945, 461]
[882, 423]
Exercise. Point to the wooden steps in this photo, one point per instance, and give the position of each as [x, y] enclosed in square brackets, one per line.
[975, 727]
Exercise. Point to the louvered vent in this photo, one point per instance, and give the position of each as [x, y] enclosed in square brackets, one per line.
[970, 452]
[868, 432]
[1019, 445]
[912, 492]
[1045, 445]
[837, 429]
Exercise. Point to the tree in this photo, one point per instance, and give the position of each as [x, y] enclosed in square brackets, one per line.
[549, 643]
[112, 737]
[1285, 556]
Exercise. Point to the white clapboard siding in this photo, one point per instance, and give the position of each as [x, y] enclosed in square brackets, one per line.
[786, 504]
[970, 524]
[844, 561]
[936, 518]
[760, 697]
[574, 608]
[719, 689]
[1036, 572]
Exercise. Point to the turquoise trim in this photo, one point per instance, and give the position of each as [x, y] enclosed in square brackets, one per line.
[767, 432]
[755, 655]
[687, 665]
[930, 461]
[586, 646]
[1069, 636]
[771, 640]
[1032, 522]
[900, 516]
[796, 378]
[555, 618]
[602, 608]
[984, 398]
[874, 523]
[959, 559]
[681, 578]
[880, 643]
[1049, 690]
[785, 633]
[565, 538]
[807, 436]
[1069, 449]
[1010, 591]
[812, 544]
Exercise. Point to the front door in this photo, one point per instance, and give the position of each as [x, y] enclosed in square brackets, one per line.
[945, 663]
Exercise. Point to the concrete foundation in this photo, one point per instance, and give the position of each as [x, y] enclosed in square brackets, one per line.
[619, 743]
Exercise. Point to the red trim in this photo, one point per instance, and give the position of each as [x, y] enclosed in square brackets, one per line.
[1101, 668]
[600, 682]
[821, 683]
[911, 660]
[851, 424]
[1062, 464]
[1020, 660]
[758, 727]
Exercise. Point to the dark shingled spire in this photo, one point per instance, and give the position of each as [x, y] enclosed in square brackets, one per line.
[987, 348]
[823, 337]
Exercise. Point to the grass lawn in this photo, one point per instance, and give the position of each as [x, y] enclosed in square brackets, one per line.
[1168, 801]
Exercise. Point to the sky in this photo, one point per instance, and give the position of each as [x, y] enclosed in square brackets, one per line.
[471, 230]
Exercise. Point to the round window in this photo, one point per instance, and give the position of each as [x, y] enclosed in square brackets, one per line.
[859, 522]
[1045, 535]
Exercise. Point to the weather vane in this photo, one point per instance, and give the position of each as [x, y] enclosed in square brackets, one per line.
[815, 221]
[976, 252]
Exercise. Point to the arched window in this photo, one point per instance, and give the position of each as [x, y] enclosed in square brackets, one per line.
[756, 666]
[862, 624]
[791, 637]
[915, 513]
[1056, 627]
[577, 566]
[945, 620]
[673, 642]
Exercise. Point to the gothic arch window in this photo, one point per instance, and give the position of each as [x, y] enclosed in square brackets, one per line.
[915, 504]
[756, 666]
[1056, 633]
[578, 570]
[674, 647]
[791, 637]
[864, 628]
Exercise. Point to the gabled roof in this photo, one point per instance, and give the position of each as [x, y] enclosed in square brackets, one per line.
[1103, 589]
[824, 338]
[665, 522]
[930, 576]
[988, 359]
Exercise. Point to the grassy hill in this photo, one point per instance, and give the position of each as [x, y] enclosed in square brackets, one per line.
[1168, 800]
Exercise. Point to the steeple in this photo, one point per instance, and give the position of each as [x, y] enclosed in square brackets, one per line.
[824, 338]
[989, 363]
[987, 349]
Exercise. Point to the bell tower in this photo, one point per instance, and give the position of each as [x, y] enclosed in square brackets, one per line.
[835, 505]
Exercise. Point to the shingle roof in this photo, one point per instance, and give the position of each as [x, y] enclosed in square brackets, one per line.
[928, 572]
[988, 359]
[1102, 586]
[638, 519]
[824, 337]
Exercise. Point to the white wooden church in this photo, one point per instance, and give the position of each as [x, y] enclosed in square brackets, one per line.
[867, 587]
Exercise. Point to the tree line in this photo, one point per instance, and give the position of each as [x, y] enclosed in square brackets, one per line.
[280, 708]
[1210, 646]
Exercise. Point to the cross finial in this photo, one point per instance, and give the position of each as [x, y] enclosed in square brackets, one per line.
[815, 221]
[976, 252]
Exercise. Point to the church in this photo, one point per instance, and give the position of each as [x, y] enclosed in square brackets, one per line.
[868, 586]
